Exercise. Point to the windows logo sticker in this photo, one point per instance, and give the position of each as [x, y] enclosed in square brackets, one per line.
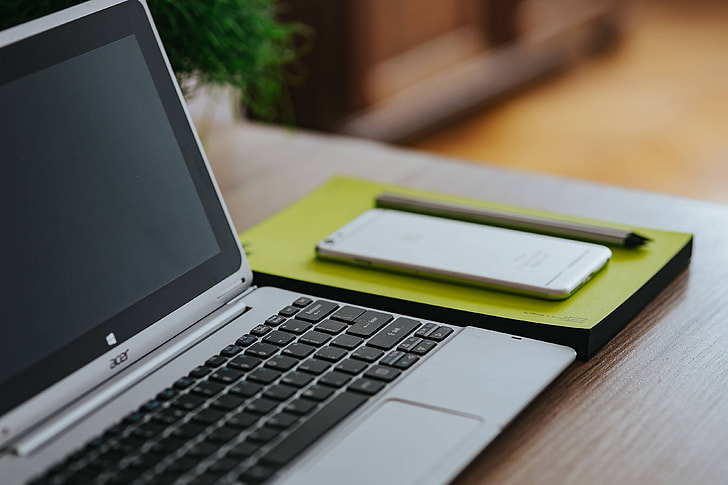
[111, 339]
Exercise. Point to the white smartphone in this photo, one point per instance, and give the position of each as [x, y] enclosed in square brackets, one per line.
[464, 252]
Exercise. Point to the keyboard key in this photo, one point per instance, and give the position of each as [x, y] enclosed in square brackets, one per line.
[279, 338]
[274, 320]
[311, 430]
[200, 371]
[260, 330]
[168, 394]
[426, 330]
[261, 350]
[219, 468]
[263, 435]
[366, 386]
[332, 354]
[73, 461]
[231, 351]
[264, 376]
[297, 379]
[256, 474]
[393, 333]
[348, 342]
[207, 388]
[116, 430]
[330, 326]
[243, 450]
[351, 366]
[392, 357]
[128, 419]
[369, 323]
[314, 366]
[189, 402]
[318, 393]
[205, 479]
[166, 477]
[302, 302]
[440, 334]
[208, 416]
[281, 363]
[295, 326]
[424, 347]
[183, 383]
[246, 389]
[226, 375]
[128, 444]
[242, 420]
[181, 465]
[246, 340]
[82, 476]
[367, 354]
[215, 361]
[382, 373]
[245, 362]
[282, 420]
[223, 435]
[151, 406]
[261, 406]
[227, 402]
[334, 379]
[169, 416]
[406, 361]
[409, 344]
[139, 463]
[188, 430]
[202, 450]
[299, 351]
[300, 406]
[163, 447]
[280, 392]
[314, 338]
[317, 311]
[122, 477]
[148, 430]
[347, 314]
[289, 311]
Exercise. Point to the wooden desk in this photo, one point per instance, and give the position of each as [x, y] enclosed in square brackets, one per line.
[650, 407]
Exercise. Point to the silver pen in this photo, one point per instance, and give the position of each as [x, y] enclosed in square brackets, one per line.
[509, 220]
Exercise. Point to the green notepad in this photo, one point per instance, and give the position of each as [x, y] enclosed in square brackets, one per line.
[281, 252]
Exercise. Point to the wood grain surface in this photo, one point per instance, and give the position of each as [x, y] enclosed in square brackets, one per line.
[650, 408]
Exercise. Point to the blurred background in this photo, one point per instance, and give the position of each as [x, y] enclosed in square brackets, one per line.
[632, 93]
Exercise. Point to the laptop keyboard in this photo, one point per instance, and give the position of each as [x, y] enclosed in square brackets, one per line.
[259, 403]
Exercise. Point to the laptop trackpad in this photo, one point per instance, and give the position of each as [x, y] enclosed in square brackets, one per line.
[365, 454]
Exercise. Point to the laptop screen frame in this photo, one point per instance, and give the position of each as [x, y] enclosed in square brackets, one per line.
[53, 39]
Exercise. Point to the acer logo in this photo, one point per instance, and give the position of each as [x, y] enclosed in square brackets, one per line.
[119, 359]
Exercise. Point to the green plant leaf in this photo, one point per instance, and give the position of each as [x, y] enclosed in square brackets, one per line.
[221, 42]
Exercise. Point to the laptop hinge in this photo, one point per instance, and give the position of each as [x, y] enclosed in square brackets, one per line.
[76, 411]
[242, 295]
[233, 292]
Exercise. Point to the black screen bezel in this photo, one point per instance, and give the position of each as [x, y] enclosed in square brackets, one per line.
[65, 42]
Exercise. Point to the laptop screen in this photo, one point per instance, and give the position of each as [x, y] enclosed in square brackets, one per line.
[110, 219]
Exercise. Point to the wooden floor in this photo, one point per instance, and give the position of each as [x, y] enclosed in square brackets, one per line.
[651, 114]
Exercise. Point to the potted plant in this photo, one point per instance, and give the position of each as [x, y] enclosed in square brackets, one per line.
[239, 43]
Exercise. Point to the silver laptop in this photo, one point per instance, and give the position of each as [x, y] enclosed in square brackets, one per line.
[134, 346]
